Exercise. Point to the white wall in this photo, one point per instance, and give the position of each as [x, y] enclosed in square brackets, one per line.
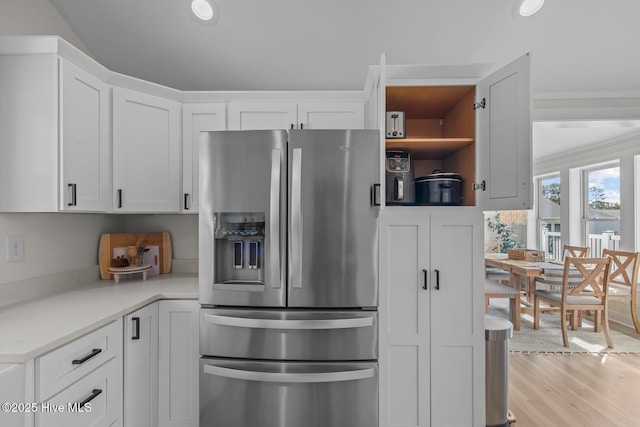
[35, 17]
[182, 228]
[54, 242]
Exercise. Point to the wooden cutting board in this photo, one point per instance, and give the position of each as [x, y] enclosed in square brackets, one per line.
[108, 242]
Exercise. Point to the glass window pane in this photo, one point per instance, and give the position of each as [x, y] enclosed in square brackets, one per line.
[603, 192]
[549, 198]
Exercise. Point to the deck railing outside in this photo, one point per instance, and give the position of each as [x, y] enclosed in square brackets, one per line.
[552, 245]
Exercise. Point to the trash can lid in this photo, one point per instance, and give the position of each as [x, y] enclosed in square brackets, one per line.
[496, 328]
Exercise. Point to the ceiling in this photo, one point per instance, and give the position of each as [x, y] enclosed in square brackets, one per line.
[578, 46]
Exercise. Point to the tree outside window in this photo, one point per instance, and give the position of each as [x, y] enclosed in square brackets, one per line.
[549, 197]
[602, 208]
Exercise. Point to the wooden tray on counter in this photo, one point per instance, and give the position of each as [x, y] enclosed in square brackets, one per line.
[110, 241]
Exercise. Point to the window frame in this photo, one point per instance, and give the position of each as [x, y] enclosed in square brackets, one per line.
[586, 218]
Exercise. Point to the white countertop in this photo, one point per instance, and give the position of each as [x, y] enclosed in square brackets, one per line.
[32, 328]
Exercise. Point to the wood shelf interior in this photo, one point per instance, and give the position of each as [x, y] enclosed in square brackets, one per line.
[439, 128]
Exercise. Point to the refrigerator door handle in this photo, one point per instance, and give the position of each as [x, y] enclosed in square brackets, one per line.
[296, 219]
[274, 220]
[322, 377]
[244, 322]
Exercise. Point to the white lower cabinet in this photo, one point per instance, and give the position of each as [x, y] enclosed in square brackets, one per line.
[161, 365]
[80, 383]
[140, 370]
[141, 367]
[431, 317]
[178, 364]
[94, 400]
[13, 389]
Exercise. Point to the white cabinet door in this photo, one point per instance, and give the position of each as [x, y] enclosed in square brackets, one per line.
[503, 154]
[457, 318]
[431, 318]
[84, 140]
[404, 319]
[29, 133]
[12, 378]
[179, 358]
[146, 153]
[330, 116]
[141, 367]
[256, 116]
[196, 118]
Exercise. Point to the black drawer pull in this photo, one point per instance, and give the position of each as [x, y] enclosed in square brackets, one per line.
[95, 393]
[93, 353]
[437, 279]
[425, 273]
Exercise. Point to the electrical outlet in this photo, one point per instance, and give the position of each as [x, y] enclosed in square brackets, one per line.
[15, 248]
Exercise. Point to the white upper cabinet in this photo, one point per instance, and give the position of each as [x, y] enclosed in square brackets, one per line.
[255, 116]
[84, 140]
[504, 116]
[330, 115]
[146, 152]
[464, 121]
[196, 118]
[54, 143]
[304, 115]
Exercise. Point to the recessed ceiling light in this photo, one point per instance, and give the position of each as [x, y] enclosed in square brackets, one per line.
[205, 10]
[527, 7]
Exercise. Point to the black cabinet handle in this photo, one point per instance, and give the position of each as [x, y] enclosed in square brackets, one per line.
[119, 198]
[375, 195]
[136, 328]
[425, 273]
[301, 126]
[73, 201]
[93, 353]
[186, 201]
[437, 279]
[292, 126]
[95, 393]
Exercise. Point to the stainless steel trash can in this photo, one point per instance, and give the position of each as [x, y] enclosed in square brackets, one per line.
[497, 332]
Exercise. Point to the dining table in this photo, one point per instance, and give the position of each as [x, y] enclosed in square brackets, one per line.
[519, 269]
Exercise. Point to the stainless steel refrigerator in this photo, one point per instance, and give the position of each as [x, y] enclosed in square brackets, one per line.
[288, 250]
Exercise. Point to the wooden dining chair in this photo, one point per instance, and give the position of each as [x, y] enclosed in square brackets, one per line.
[623, 279]
[587, 290]
[575, 251]
[567, 251]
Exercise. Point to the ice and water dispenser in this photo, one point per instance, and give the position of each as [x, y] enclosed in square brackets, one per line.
[239, 247]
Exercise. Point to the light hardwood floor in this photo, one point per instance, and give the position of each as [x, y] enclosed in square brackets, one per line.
[574, 389]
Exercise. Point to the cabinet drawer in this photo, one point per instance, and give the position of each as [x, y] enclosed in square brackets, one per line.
[61, 367]
[101, 389]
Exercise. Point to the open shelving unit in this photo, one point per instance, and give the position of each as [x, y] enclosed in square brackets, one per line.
[439, 128]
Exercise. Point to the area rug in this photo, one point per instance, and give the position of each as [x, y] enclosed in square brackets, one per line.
[548, 339]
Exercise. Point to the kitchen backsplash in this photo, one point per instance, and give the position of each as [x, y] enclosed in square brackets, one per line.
[59, 245]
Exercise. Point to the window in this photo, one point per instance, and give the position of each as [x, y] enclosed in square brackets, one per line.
[549, 215]
[601, 190]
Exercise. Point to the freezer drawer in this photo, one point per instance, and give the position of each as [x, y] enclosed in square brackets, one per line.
[289, 335]
[287, 394]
